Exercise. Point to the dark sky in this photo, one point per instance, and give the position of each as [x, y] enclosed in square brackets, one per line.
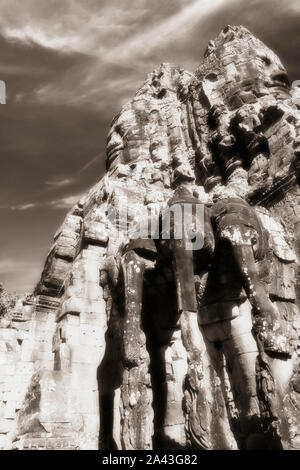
[68, 66]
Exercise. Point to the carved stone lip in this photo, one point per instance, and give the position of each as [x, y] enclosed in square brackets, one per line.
[281, 83]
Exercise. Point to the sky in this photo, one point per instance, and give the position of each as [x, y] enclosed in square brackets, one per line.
[68, 66]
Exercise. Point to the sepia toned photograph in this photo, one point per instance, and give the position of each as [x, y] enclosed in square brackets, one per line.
[150, 227]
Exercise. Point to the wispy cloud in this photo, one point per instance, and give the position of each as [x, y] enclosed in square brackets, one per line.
[112, 34]
[70, 25]
[65, 202]
[21, 207]
[89, 27]
[118, 41]
[59, 182]
[178, 24]
[90, 163]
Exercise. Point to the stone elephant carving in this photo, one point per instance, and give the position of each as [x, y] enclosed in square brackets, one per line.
[233, 241]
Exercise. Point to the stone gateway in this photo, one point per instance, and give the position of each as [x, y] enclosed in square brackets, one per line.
[140, 342]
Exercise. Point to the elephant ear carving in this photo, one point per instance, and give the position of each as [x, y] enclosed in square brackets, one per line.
[276, 232]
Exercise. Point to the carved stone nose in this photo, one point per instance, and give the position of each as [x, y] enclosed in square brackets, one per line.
[281, 78]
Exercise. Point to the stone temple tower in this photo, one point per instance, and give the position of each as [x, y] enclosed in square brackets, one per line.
[133, 343]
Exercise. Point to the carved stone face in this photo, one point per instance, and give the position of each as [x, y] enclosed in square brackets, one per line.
[240, 68]
[274, 75]
[263, 74]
